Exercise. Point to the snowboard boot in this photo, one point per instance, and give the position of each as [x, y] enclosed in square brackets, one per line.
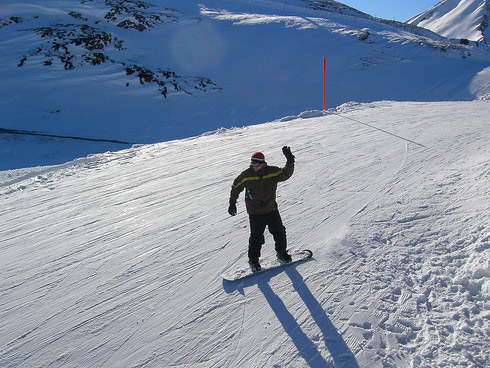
[284, 257]
[254, 265]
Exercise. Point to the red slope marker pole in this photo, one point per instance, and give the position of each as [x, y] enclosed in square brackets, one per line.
[324, 70]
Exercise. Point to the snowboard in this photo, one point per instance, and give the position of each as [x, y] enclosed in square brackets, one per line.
[267, 265]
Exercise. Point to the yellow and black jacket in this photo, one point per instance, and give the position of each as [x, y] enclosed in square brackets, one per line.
[260, 187]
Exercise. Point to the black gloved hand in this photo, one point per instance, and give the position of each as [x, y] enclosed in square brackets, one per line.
[232, 209]
[289, 156]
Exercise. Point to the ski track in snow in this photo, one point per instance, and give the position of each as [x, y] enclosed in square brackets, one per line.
[114, 260]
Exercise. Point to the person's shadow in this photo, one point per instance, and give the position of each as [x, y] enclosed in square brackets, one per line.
[339, 351]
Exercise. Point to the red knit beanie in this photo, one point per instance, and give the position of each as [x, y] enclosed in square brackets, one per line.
[258, 157]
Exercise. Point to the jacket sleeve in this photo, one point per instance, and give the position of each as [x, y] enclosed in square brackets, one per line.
[238, 186]
[287, 172]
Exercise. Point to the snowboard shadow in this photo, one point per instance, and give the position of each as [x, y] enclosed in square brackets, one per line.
[341, 356]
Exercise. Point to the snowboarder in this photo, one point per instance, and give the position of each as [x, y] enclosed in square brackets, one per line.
[260, 184]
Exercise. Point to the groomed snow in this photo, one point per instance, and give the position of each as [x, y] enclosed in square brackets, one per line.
[114, 260]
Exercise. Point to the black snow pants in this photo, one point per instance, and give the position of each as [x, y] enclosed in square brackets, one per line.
[258, 224]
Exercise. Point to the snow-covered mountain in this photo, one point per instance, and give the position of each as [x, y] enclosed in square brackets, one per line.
[141, 72]
[457, 19]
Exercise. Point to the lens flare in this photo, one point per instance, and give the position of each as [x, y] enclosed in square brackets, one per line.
[197, 48]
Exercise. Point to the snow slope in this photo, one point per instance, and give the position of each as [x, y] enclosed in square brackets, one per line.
[257, 61]
[457, 19]
[114, 260]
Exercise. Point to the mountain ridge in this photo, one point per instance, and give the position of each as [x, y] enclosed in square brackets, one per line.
[457, 19]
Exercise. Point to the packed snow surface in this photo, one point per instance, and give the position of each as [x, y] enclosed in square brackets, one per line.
[114, 260]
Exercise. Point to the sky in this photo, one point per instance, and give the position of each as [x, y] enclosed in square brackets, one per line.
[389, 9]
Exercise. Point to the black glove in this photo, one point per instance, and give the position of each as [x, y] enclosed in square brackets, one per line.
[232, 208]
[289, 156]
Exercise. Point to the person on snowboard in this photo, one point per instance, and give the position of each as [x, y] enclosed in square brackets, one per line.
[260, 184]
